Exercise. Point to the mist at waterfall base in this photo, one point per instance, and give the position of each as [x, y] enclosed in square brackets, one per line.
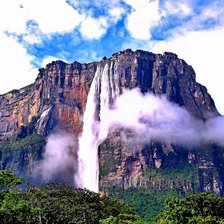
[59, 159]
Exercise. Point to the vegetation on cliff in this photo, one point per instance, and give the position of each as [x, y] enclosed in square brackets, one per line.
[20, 154]
[145, 203]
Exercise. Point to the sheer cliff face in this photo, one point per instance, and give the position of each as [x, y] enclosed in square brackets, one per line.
[57, 100]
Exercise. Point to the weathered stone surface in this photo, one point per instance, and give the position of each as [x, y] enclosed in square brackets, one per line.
[57, 100]
[157, 167]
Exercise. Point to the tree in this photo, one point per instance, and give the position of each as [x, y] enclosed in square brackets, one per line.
[123, 219]
[8, 180]
[61, 203]
[196, 208]
[58, 203]
[13, 207]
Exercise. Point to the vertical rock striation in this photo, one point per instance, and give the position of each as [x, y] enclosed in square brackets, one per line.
[57, 100]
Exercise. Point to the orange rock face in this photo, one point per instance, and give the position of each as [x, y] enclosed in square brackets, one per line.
[57, 99]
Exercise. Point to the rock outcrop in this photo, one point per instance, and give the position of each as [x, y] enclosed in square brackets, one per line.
[57, 99]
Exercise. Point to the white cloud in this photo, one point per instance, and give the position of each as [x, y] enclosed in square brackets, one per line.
[154, 118]
[32, 39]
[214, 10]
[116, 13]
[12, 17]
[144, 15]
[180, 8]
[92, 28]
[16, 68]
[204, 51]
[52, 16]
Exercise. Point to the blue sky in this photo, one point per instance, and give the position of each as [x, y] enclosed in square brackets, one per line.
[35, 32]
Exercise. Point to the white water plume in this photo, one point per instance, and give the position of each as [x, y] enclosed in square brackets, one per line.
[103, 91]
[88, 170]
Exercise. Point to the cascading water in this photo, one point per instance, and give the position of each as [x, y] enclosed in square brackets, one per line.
[103, 91]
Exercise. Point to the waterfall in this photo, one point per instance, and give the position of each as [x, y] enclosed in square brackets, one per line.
[103, 91]
[88, 170]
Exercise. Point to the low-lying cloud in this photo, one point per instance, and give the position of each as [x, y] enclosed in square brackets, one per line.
[154, 118]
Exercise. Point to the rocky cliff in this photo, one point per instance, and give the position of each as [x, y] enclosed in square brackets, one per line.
[56, 102]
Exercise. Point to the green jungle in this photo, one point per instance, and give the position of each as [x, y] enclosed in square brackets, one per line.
[60, 203]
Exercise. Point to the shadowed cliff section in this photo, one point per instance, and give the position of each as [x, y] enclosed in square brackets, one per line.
[56, 102]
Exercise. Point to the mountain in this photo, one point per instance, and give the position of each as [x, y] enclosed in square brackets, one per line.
[56, 103]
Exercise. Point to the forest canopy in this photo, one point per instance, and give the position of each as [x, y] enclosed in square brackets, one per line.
[60, 203]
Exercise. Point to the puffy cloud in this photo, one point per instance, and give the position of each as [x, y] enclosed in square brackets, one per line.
[144, 15]
[215, 9]
[52, 16]
[151, 118]
[12, 17]
[16, 67]
[98, 15]
[154, 118]
[203, 50]
[28, 20]
[116, 13]
[180, 8]
[93, 28]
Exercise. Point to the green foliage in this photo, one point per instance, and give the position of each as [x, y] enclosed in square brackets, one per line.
[13, 208]
[123, 219]
[55, 203]
[186, 172]
[197, 208]
[145, 203]
[33, 141]
[15, 154]
[8, 179]
[60, 203]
